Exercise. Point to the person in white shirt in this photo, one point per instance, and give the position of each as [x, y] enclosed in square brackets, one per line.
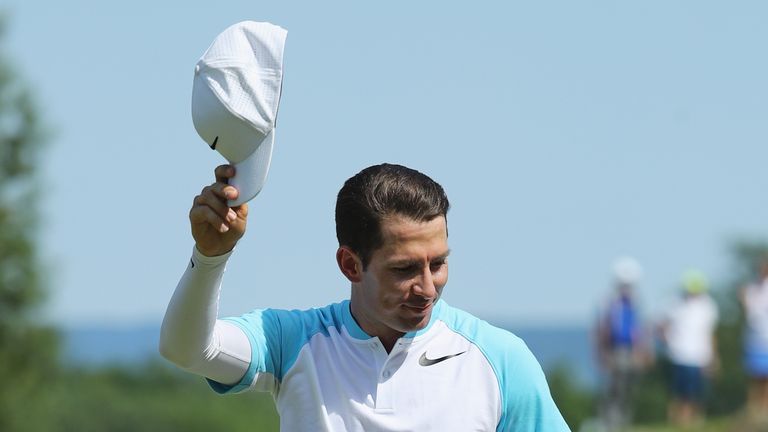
[689, 334]
[754, 299]
[393, 357]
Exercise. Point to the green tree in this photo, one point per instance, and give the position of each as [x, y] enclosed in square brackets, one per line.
[576, 403]
[730, 384]
[27, 351]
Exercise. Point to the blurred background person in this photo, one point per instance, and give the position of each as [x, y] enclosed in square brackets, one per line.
[621, 346]
[688, 332]
[754, 299]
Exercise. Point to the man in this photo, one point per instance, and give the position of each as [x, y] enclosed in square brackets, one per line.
[621, 346]
[754, 300]
[689, 333]
[394, 357]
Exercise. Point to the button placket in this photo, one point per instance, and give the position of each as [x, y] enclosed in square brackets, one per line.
[385, 392]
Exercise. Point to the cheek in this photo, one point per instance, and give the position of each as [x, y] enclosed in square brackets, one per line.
[394, 292]
[441, 278]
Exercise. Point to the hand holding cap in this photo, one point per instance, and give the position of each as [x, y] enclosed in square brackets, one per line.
[235, 97]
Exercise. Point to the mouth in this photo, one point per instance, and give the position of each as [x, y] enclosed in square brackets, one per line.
[418, 308]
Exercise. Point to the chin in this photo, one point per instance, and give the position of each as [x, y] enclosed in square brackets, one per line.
[416, 323]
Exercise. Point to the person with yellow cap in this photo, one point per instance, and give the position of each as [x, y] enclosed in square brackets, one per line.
[689, 334]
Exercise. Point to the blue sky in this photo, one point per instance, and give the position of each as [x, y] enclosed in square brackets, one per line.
[565, 133]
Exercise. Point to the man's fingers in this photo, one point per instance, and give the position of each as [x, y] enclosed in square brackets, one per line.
[210, 207]
[216, 206]
[221, 192]
[224, 172]
[214, 198]
[216, 228]
[206, 215]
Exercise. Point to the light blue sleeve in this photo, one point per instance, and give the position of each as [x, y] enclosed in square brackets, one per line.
[526, 401]
[276, 337]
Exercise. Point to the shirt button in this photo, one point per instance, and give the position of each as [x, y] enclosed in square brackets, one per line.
[386, 374]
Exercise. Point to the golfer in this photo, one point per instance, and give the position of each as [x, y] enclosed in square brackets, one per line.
[392, 357]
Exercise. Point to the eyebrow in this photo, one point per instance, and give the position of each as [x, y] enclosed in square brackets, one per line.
[409, 262]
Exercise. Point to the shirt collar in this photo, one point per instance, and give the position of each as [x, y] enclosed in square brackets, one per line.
[356, 332]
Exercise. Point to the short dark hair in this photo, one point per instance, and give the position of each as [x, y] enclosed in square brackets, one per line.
[379, 191]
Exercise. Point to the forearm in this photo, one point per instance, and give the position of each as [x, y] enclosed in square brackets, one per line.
[192, 337]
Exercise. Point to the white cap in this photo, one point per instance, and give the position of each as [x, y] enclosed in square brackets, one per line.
[235, 96]
[627, 270]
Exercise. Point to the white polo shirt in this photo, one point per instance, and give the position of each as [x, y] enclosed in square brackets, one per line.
[457, 374]
[692, 323]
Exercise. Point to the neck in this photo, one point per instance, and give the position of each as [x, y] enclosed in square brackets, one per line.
[388, 343]
[387, 336]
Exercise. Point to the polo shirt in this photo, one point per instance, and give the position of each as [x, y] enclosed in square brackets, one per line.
[459, 373]
[692, 322]
[623, 322]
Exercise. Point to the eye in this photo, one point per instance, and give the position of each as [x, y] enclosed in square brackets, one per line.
[405, 270]
[437, 265]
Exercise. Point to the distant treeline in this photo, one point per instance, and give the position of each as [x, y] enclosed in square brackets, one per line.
[153, 397]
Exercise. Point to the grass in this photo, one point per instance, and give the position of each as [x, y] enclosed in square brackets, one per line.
[735, 423]
[712, 425]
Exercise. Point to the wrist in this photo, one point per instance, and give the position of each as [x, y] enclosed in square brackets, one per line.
[211, 254]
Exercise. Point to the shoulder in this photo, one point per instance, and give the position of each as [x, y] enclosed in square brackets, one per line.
[712, 305]
[525, 398]
[703, 301]
[675, 307]
[751, 291]
[306, 323]
[278, 335]
[512, 361]
[489, 338]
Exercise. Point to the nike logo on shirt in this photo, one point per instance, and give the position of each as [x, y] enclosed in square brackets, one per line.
[424, 361]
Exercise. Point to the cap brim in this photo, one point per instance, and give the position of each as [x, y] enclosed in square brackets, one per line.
[251, 172]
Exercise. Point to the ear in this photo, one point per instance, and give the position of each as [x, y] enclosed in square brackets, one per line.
[349, 264]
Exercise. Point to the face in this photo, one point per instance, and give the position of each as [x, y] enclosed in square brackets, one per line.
[395, 294]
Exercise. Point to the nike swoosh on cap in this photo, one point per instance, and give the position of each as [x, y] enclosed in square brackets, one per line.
[424, 361]
[213, 146]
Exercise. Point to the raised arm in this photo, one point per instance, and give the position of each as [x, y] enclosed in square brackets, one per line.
[191, 336]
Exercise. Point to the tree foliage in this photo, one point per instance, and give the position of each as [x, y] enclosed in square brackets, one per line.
[27, 351]
[576, 403]
[152, 397]
[729, 385]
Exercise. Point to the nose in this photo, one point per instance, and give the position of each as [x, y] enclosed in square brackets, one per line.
[424, 286]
